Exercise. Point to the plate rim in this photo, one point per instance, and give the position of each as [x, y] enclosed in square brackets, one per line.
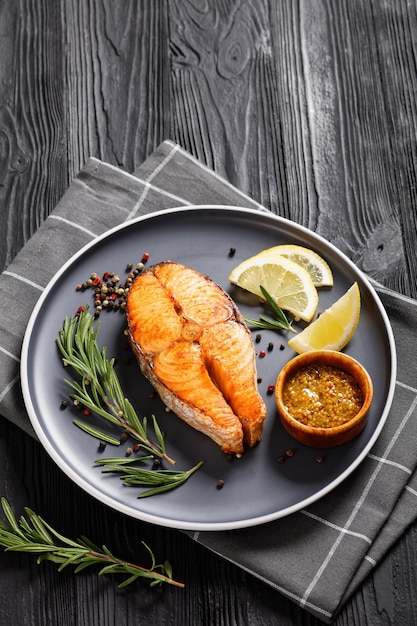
[185, 525]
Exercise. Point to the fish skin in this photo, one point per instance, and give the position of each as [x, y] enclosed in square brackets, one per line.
[201, 359]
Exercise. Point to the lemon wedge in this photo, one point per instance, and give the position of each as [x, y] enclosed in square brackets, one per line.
[289, 284]
[334, 328]
[315, 265]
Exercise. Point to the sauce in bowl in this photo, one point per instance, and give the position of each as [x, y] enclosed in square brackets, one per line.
[322, 395]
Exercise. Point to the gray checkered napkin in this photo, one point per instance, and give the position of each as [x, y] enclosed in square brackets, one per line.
[318, 556]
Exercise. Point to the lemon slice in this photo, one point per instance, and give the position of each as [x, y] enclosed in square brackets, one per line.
[288, 283]
[334, 328]
[315, 265]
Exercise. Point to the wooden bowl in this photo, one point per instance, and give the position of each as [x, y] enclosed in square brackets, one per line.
[315, 429]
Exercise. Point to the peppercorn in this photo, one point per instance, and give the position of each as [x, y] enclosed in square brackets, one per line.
[270, 346]
[64, 404]
[289, 453]
[270, 390]
[258, 338]
[101, 446]
[232, 252]
[262, 354]
[220, 484]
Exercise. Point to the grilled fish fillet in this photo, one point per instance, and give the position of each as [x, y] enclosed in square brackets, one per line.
[193, 345]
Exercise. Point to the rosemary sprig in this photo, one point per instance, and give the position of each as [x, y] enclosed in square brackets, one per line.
[265, 322]
[161, 479]
[33, 534]
[99, 388]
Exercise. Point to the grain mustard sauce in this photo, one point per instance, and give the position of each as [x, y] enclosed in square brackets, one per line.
[322, 396]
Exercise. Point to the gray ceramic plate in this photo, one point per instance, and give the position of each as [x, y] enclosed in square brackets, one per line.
[257, 488]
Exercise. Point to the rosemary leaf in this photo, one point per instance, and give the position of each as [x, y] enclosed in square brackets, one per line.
[33, 535]
[280, 323]
[159, 480]
[122, 461]
[98, 434]
[158, 433]
[265, 323]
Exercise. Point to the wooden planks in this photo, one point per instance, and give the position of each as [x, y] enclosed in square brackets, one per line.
[297, 101]
[308, 107]
[117, 80]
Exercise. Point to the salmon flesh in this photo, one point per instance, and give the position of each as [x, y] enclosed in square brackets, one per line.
[193, 345]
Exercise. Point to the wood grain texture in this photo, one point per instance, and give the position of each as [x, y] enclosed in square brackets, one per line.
[303, 122]
[117, 71]
[310, 107]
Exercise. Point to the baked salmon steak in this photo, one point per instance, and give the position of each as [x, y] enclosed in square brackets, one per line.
[193, 345]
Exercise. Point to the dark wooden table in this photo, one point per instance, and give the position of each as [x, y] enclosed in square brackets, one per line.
[309, 107]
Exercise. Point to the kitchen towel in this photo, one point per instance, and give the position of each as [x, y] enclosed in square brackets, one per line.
[318, 556]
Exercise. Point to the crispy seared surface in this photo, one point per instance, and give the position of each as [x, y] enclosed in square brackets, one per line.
[194, 347]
